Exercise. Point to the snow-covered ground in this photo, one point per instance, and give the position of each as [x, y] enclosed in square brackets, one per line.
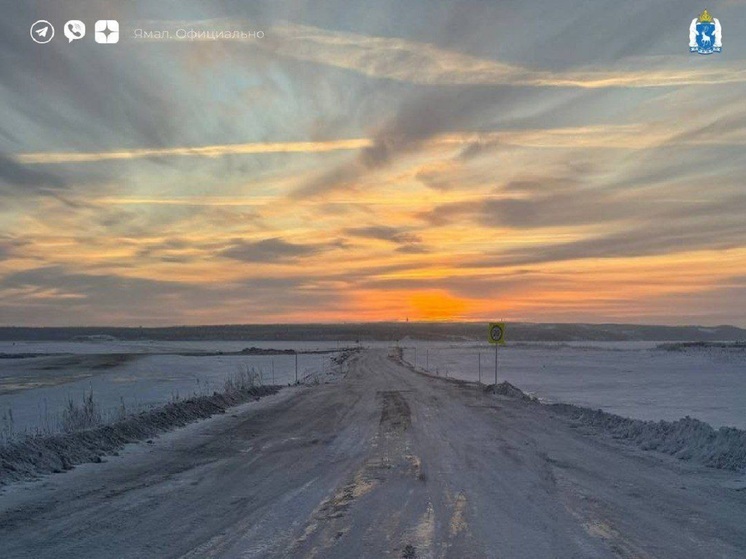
[632, 379]
[388, 463]
[139, 375]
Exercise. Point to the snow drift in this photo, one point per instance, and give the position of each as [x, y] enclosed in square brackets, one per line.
[686, 438]
[33, 456]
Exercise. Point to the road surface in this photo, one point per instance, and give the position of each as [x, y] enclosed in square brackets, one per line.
[384, 463]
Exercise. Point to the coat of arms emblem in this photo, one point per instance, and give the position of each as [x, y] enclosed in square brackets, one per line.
[705, 34]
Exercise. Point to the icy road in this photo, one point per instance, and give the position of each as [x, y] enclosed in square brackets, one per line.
[384, 463]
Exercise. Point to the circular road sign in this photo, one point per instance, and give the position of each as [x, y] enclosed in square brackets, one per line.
[496, 333]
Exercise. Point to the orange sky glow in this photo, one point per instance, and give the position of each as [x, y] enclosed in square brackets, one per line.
[351, 172]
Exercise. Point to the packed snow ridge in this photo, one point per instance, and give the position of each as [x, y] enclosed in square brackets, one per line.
[32, 456]
[686, 439]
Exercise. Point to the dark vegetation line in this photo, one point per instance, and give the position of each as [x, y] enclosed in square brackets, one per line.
[382, 331]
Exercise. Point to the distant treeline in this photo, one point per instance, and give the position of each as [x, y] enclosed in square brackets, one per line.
[384, 331]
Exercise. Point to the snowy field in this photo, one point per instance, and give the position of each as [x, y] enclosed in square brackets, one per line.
[632, 379]
[136, 375]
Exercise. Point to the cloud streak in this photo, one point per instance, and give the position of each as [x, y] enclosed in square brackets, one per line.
[17, 176]
[380, 149]
[385, 233]
[202, 151]
[270, 250]
[422, 63]
[426, 64]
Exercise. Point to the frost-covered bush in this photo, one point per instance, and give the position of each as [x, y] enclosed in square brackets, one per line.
[243, 380]
[77, 417]
[7, 426]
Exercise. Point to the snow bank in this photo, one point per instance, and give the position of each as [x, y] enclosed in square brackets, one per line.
[33, 456]
[507, 389]
[686, 438]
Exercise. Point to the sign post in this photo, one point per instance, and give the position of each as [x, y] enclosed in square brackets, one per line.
[496, 336]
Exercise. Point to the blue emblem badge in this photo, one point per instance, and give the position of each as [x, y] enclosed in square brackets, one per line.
[705, 34]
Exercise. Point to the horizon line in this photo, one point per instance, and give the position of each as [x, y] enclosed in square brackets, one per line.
[379, 322]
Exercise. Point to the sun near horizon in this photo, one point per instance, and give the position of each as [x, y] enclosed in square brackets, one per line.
[354, 169]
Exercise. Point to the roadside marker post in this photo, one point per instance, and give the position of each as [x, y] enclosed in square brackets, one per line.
[496, 336]
[480, 366]
[296, 367]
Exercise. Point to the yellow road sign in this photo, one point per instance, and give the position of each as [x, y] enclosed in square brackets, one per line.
[496, 333]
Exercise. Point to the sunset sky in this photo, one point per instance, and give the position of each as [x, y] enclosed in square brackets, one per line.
[547, 160]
